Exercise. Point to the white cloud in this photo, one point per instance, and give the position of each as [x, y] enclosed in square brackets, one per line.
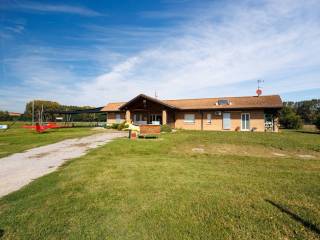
[277, 42]
[250, 43]
[53, 8]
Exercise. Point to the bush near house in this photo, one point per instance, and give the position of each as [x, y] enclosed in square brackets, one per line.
[122, 126]
[166, 128]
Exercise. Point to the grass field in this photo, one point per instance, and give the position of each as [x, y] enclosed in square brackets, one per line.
[185, 185]
[18, 139]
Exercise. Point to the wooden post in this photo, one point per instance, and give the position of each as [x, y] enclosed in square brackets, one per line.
[276, 122]
[128, 120]
[164, 117]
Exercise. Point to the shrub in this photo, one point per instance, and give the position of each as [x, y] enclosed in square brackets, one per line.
[317, 121]
[148, 136]
[289, 119]
[115, 125]
[166, 128]
[122, 125]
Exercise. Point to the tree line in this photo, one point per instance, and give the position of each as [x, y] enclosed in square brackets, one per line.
[49, 106]
[294, 114]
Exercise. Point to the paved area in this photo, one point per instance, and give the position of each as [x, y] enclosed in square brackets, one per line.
[20, 169]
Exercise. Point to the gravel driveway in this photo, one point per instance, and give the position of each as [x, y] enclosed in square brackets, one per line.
[20, 169]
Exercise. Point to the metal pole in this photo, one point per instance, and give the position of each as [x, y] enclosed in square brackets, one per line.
[32, 112]
[41, 115]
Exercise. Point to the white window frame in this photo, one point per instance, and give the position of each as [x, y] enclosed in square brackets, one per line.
[209, 118]
[245, 129]
[118, 117]
[189, 121]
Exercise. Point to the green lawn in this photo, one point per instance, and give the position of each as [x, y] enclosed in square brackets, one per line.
[185, 185]
[18, 139]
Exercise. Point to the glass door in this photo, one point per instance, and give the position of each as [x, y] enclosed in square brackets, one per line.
[226, 121]
[245, 121]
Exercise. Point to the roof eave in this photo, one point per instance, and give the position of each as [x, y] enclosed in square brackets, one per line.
[232, 108]
[122, 107]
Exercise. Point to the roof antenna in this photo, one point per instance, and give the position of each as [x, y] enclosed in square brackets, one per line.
[259, 91]
[155, 94]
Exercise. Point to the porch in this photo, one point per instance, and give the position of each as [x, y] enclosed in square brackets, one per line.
[144, 110]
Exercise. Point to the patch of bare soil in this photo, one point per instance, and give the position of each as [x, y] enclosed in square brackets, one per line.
[80, 144]
[198, 150]
[305, 156]
[41, 155]
[279, 154]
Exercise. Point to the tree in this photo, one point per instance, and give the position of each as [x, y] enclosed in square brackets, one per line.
[4, 116]
[308, 110]
[317, 122]
[289, 118]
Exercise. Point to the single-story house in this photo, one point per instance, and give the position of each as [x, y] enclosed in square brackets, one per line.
[253, 113]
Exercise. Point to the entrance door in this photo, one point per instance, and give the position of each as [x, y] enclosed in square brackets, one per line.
[245, 121]
[226, 123]
[268, 122]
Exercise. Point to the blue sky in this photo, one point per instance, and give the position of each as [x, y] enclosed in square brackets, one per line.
[94, 52]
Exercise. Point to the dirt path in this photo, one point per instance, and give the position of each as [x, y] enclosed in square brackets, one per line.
[20, 169]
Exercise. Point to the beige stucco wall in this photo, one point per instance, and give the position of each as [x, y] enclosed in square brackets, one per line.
[256, 120]
[189, 126]
[111, 117]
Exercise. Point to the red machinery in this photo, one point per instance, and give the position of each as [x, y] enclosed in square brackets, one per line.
[41, 128]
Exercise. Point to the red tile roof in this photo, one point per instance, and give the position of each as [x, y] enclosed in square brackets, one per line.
[270, 101]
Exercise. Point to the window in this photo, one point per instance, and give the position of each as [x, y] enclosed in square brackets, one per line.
[209, 118]
[118, 118]
[189, 118]
[137, 117]
[245, 121]
[223, 102]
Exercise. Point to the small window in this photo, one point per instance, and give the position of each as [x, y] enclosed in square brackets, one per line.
[118, 118]
[137, 117]
[189, 118]
[209, 118]
[223, 102]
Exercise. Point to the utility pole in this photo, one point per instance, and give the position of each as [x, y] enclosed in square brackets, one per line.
[41, 115]
[32, 112]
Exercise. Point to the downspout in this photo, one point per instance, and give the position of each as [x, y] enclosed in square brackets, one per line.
[201, 120]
